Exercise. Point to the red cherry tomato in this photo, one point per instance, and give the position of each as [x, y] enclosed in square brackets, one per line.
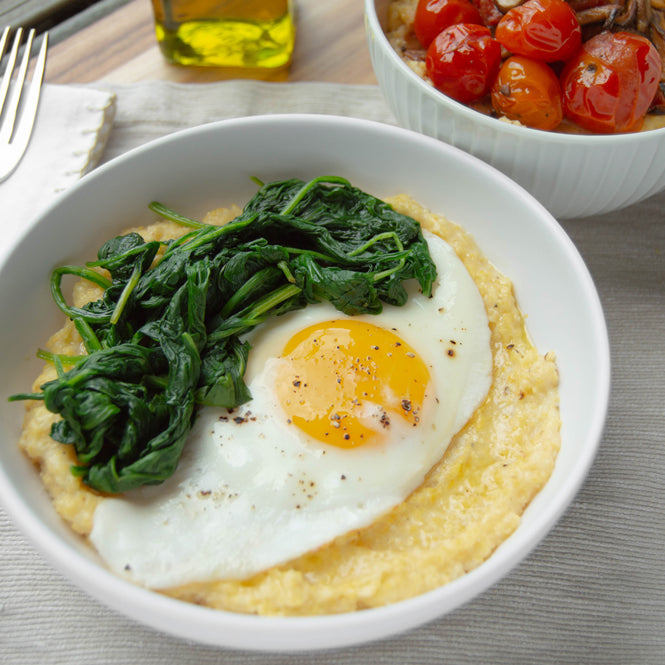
[541, 29]
[610, 84]
[433, 16]
[463, 61]
[528, 90]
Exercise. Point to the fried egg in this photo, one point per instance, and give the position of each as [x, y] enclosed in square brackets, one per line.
[347, 417]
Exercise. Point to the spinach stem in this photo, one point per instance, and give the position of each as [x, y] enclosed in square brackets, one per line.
[58, 366]
[284, 267]
[253, 315]
[173, 216]
[59, 299]
[126, 293]
[84, 272]
[209, 233]
[49, 356]
[377, 238]
[293, 204]
[90, 340]
[272, 299]
[178, 242]
[312, 253]
[241, 294]
[386, 273]
[21, 396]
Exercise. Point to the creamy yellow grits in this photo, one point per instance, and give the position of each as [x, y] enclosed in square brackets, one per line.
[469, 504]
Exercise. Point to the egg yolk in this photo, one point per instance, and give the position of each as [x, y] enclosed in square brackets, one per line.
[343, 382]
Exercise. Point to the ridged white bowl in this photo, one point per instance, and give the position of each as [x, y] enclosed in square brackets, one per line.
[571, 175]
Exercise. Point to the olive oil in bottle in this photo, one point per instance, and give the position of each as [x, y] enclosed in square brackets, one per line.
[255, 34]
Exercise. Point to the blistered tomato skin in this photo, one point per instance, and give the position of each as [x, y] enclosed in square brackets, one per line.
[433, 16]
[528, 91]
[610, 84]
[545, 30]
[463, 61]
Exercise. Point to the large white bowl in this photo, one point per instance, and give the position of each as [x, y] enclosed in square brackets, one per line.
[571, 175]
[208, 166]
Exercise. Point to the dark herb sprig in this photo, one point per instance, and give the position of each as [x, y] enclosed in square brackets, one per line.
[166, 334]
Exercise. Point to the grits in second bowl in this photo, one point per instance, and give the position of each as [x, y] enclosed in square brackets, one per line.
[468, 503]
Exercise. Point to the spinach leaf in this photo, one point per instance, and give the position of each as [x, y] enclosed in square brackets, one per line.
[167, 333]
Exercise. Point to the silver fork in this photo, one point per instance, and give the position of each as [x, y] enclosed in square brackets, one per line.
[17, 117]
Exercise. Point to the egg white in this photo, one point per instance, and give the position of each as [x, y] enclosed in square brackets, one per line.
[253, 491]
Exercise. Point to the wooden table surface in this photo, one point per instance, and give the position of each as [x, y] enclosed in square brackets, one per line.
[121, 48]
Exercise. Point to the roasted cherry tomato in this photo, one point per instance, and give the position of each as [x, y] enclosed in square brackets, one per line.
[463, 61]
[433, 16]
[610, 84]
[528, 90]
[541, 29]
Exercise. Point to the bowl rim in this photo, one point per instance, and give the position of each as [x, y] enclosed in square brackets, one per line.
[294, 634]
[375, 31]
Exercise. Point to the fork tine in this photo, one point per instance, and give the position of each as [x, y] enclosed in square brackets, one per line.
[17, 90]
[32, 99]
[3, 40]
[4, 86]
[14, 149]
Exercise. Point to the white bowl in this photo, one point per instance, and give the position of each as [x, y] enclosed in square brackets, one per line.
[571, 175]
[208, 166]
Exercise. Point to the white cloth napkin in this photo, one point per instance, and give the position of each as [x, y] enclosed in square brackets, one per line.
[71, 130]
[152, 109]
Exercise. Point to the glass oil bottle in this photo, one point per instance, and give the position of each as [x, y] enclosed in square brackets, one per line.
[252, 34]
